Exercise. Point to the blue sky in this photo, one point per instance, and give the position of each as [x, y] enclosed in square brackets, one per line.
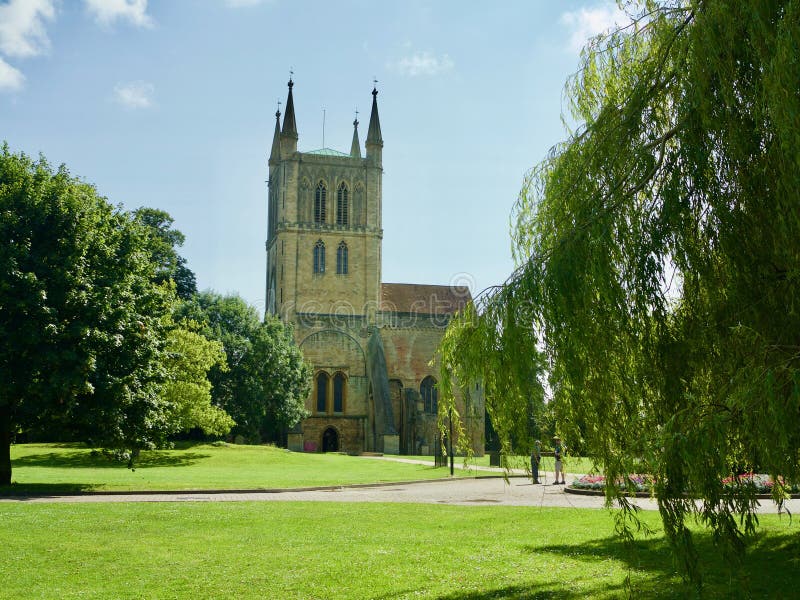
[171, 104]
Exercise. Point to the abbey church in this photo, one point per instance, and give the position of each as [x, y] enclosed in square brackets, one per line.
[369, 343]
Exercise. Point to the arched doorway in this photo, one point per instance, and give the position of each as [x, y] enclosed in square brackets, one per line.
[330, 440]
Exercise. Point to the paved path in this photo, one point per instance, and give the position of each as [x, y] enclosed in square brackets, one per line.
[462, 491]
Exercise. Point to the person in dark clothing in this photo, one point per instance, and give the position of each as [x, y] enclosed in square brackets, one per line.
[536, 458]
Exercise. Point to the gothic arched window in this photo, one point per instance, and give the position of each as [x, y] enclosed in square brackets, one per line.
[322, 391]
[341, 259]
[339, 386]
[320, 196]
[430, 395]
[341, 204]
[319, 257]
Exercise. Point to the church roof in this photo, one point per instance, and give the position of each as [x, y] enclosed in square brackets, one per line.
[423, 299]
[326, 152]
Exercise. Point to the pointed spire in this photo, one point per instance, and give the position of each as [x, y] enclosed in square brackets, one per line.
[355, 147]
[276, 139]
[374, 133]
[289, 125]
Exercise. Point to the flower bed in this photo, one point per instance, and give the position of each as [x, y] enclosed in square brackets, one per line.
[639, 483]
[643, 483]
[762, 483]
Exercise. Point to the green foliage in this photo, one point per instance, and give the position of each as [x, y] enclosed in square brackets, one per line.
[190, 356]
[88, 347]
[164, 241]
[266, 383]
[482, 347]
[659, 252]
[82, 325]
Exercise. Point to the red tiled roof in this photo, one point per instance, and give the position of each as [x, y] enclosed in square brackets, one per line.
[423, 299]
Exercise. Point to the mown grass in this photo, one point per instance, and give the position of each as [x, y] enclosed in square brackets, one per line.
[73, 467]
[331, 550]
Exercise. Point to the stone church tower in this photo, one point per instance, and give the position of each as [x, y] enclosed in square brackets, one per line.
[369, 342]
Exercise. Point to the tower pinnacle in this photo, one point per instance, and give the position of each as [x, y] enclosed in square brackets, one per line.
[374, 132]
[374, 142]
[275, 154]
[289, 124]
[355, 147]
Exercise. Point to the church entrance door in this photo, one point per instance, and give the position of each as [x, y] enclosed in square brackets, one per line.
[330, 440]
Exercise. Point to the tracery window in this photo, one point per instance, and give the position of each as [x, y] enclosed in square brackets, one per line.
[430, 395]
[341, 204]
[339, 386]
[341, 259]
[322, 392]
[319, 257]
[320, 197]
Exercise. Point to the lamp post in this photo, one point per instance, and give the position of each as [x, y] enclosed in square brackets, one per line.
[450, 439]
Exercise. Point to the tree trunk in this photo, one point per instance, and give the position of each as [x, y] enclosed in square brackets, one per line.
[5, 445]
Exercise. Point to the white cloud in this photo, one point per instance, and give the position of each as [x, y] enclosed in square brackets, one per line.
[11, 79]
[22, 28]
[136, 94]
[424, 63]
[107, 12]
[589, 22]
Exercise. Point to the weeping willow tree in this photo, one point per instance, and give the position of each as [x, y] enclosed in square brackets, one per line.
[658, 277]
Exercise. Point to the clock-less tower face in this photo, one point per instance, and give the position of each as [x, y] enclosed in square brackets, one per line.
[324, 227]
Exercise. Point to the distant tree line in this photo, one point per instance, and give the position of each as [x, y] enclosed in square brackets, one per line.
[104, 337]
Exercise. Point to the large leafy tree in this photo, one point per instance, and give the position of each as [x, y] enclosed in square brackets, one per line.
[266, 382]
[164, 244]
[659, 261]
[82, 325]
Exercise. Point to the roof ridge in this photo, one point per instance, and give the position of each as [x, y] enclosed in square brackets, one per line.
[327, 152]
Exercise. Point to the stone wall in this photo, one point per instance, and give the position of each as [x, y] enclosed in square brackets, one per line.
[290, 251]
[350, 430]
[336, 351]
[409, 350]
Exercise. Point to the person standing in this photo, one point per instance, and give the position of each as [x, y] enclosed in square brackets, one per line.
[536, 457]
[558, 454]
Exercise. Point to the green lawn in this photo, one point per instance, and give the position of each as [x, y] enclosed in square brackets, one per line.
[72, 467]
[332, 550]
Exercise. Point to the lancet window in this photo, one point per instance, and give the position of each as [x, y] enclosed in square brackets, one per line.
[319, 257]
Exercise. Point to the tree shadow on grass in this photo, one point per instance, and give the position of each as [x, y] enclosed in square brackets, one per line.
[517, 592]
[23, 490]
[86, 459]
[771, 569]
